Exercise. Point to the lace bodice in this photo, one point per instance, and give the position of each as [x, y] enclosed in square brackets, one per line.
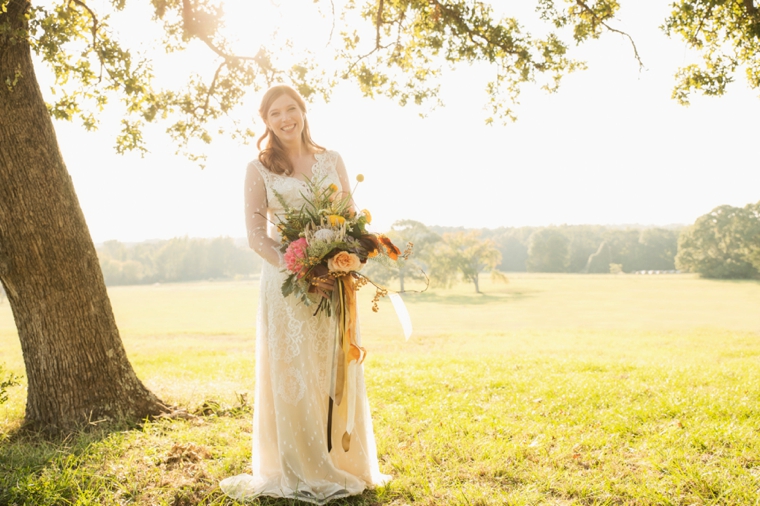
[262, 207]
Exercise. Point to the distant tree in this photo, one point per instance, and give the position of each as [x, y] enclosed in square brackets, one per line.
[513, 246]
[514, 254]
[467, 254]
[548, 251]
[624, 246]
[177, 259]
[114, 249]
[402, 233]
[584, 241]
[600, 261]
[657, 249]
[722, 243]
[116, 272]
[754, 257]
[753, 245]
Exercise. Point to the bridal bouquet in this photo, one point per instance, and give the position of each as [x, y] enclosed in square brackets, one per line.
[326, 239]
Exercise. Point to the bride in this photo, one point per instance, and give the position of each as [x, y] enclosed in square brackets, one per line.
[290, 420]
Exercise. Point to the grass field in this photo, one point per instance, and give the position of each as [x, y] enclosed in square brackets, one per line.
[552, 389]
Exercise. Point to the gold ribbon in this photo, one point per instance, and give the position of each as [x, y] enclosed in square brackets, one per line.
[347, 358]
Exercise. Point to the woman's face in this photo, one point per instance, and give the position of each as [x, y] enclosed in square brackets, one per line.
[285, 119]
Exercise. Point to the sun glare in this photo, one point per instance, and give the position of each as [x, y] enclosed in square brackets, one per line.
[266, 23]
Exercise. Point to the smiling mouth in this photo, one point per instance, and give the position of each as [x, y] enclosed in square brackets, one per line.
[288, 128]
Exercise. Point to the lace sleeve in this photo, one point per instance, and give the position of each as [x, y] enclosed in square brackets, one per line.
[255, 218]
[345, 185]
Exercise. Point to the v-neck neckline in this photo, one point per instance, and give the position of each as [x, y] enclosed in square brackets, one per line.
[317, 157]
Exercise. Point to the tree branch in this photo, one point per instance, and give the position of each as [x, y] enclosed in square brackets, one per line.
[94, 28]
[599, 20]
[193, 27]
[332, 28]
[94, 31]
[211, 89]
[750, 6]
[379, 22]
[374, 50]
[701, 24]
[448, 13]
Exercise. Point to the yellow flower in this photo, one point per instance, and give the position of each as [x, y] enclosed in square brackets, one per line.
[332, 188]
[367, 215]
[360, 177]
[336, 220]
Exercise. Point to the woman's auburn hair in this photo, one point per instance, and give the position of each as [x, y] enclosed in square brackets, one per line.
[273, 156]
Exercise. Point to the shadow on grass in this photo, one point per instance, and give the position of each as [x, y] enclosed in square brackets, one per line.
[733, 281]
[462, 299]
[28, 457]
[368, 498]
[97, 462]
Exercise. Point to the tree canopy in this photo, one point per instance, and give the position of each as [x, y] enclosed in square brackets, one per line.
[394, 48]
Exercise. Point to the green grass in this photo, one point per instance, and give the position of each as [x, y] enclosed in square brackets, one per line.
[552, 389]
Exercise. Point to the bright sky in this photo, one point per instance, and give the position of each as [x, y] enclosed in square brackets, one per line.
[610, 148]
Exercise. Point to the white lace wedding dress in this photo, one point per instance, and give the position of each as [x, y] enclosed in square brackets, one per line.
[290, 457]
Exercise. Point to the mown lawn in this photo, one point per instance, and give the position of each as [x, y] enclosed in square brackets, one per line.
[552, 389]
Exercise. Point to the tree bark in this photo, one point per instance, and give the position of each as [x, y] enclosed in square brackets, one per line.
[76, 367]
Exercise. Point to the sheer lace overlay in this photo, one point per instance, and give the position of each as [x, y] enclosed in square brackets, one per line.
[290, 457]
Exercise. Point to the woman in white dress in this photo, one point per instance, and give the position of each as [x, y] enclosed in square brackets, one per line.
[293, 370]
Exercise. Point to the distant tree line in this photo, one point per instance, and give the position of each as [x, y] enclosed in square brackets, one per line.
[582, 248]
[725, 243]
[178, 259]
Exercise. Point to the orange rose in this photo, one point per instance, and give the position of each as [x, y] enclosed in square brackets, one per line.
[344, 262]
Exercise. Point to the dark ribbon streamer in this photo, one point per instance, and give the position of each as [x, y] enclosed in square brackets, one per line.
[329, 425]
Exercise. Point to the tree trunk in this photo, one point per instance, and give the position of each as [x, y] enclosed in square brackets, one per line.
[76, 366]
[475, 280]
[401, 279]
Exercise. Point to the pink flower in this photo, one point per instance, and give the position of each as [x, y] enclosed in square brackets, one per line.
[295, 254]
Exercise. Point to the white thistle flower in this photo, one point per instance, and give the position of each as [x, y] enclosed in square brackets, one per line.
[325, 235]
